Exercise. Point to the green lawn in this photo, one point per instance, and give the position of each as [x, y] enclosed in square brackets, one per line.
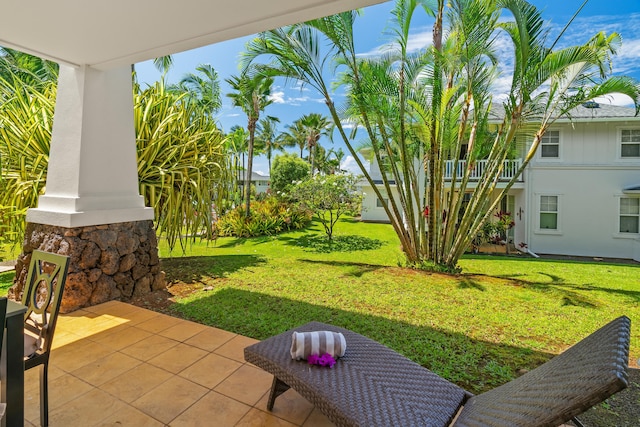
[478, 329]
[6, 280]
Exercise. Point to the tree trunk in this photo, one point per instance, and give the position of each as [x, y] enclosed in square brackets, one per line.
[249, 171]
[434, 148]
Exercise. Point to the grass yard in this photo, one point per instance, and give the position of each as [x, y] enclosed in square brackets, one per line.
[502, 316]
[6, 280]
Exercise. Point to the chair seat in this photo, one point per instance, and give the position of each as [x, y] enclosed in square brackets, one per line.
[371, 385]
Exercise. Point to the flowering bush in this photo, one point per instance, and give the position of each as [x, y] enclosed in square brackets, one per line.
[268, 217]
[495, 232]
[329, 197]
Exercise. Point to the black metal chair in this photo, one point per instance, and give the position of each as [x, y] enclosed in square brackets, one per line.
[42, 295]
[3, 315]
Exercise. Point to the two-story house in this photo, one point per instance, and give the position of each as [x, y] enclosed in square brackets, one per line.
[259, 181]
[580, 195]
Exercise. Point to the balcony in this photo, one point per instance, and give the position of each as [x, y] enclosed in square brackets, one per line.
[509, 169]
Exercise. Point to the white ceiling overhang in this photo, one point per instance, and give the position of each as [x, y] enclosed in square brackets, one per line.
[106, 34]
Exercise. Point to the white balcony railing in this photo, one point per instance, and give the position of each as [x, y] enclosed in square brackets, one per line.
[509, 169]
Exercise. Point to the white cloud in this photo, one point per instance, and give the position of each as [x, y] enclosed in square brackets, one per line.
[349, 164]
[626, 62]
[417, 41]
[277, 97]
[615, 99]
[346, 124]
[298, 85]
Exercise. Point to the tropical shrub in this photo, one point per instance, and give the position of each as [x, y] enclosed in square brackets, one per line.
[179, 149]
[287, 169]
[26, 117]
[11, 228]
[180, 161]
[268, 217]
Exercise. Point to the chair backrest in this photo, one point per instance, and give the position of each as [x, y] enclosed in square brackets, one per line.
[42, 295]
[564, 387]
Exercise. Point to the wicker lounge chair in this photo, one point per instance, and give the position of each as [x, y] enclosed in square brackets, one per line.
[374, 386]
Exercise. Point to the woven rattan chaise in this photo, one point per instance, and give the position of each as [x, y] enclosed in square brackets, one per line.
[374, 386]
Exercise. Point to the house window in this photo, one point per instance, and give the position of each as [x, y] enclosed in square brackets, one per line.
[630, 143]
[629, 215]
[550, 144]
[382, 203]
[549, 212]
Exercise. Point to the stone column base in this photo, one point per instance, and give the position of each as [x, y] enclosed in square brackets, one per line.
[111, 261]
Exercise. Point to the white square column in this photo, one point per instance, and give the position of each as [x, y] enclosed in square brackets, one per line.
[92, 177]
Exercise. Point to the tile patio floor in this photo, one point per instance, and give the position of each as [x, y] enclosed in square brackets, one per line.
[116, 364]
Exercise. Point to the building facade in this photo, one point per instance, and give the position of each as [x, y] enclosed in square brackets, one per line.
[580, 195]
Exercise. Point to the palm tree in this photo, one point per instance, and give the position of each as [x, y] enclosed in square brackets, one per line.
[295, 136]
[315, 125]
[336, 162]
[203, 88]
[296, 54]
[163, 63]
[268, 137]
[426, 106]
[29, 69]
[237, 144]
[251, 94]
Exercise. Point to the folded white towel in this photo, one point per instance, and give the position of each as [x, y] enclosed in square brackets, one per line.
[304, 344]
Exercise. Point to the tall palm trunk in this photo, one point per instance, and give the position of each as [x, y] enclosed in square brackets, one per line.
[434, 146]
[249, 171]
[312, 148]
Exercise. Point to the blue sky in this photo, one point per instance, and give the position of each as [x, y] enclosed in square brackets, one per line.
[290, 102]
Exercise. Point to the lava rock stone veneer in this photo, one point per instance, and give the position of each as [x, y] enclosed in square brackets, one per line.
[111, 261]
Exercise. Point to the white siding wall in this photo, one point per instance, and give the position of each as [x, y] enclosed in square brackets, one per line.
[370, 210]
[588, 180]
[261, 186]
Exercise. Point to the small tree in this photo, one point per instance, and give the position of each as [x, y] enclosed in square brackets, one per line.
[287, 169]
[329, 197]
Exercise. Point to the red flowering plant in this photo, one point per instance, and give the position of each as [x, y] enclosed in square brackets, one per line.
[504, 224]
